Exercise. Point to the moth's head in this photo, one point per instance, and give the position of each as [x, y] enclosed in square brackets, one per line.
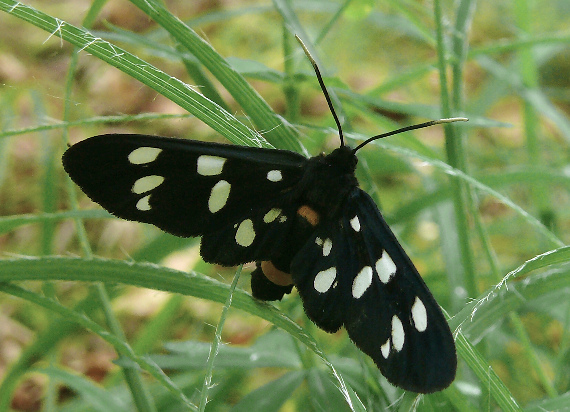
[342, 159]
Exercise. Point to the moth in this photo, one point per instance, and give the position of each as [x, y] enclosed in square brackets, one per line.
[305, 222]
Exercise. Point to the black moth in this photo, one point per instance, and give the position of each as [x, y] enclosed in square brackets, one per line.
[304, 221]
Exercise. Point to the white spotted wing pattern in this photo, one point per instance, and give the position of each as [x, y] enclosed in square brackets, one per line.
[366, 283]
[302, 220]
[190, 188]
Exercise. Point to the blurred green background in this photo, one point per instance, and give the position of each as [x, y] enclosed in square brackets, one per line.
[470, 203]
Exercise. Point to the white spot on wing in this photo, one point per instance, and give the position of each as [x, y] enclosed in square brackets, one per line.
[355, 223]
[219, 196]
[385, 267]
[274, 175]
[419, 315]
[327, 247]
[361, 282]
[245, 233]
[210, 165]
[385, 349]
[143, 205]
[397, 333]
[144, 155]
[324, 279]
[147, 183]
[271, 215]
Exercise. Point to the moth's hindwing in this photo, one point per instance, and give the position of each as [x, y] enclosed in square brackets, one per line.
[185, 187]
[354, 272]
[264, 289]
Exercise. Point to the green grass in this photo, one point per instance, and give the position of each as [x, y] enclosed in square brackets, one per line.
[480, 207]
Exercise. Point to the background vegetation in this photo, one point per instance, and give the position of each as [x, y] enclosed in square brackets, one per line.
[482, 208]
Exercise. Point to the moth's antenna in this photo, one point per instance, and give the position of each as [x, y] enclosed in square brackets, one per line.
[380, 136]
[323, 88]
[408, 128]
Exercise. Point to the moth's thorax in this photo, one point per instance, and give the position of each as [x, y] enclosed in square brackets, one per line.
[328, 179]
